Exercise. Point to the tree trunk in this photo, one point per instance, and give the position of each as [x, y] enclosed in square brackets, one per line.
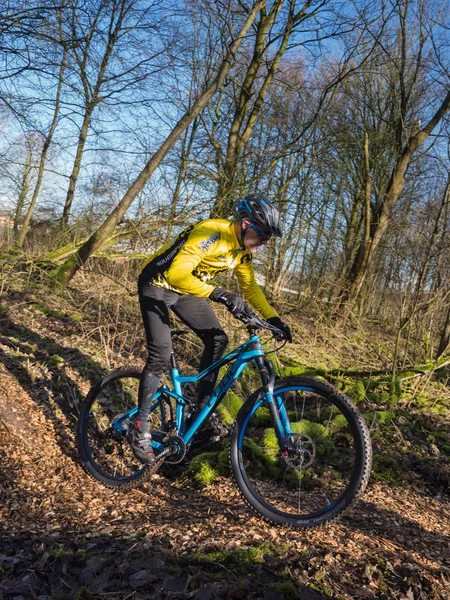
[184, 161]
[76, 166]
[360, 264]
[47, 142]
[392, 193]
[444, 343]
[74, 263]
[92, 95]
[24, 189]
[244, 120]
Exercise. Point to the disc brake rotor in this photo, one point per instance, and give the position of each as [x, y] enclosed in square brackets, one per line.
[301, 453]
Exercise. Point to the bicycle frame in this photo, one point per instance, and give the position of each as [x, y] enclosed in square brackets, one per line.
[251, 350]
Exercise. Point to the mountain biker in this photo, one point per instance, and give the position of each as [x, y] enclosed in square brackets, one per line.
[176, 277]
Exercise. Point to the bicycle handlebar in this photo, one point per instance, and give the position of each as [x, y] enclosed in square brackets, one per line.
[250, 318]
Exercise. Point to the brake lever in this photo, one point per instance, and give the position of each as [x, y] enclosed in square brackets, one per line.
[249, 317]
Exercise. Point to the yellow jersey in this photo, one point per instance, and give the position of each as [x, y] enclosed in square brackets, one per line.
[197, 255]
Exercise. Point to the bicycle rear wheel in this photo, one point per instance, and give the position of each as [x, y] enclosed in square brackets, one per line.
[104, 450]
[327, 467]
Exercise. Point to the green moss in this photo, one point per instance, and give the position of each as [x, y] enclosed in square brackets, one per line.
[195, 582]
[224, 415]
[288, 589]
[395, 391]
[54, 360]
[303, 370]
[223, 465]
[313, 430]
[261, 418]
[233, 403]
[343, 384]
[205, 475]
[294, 370]
[358, 392]
[92, 363]
[339, 423]
[40, 308]
[384, 416]
[293, 477]
[202, 469]
[267, 463]
[387, 468]
[237, 560]
[59, 554]
[208, 457]
[270, 442]
[374, 384]
[406, 374]
[384, 399]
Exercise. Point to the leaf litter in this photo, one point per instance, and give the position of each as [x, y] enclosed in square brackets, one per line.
[63, 535]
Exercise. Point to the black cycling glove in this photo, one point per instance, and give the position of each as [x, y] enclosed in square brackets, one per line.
[233, 302]
[278, 323]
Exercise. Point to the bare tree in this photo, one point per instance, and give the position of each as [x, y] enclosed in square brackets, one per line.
[406, 67]
[73, 264]
[24, 184]
[47, 141]
[110, 58]
[275, 28]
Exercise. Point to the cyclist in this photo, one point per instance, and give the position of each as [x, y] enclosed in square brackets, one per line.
[176, 277]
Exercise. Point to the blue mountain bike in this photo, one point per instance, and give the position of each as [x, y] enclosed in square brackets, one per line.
[299, 451]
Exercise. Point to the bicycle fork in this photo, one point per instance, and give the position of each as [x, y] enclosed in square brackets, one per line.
[277, 410]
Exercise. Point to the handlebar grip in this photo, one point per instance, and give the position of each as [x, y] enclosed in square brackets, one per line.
[249, 317]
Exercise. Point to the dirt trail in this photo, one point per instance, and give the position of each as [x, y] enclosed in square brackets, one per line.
[394, 544]
[63, 535]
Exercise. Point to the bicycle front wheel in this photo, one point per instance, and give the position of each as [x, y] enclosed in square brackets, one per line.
[103, 424]
[326, 467]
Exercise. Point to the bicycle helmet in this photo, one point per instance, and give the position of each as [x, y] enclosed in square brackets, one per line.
[262, 213]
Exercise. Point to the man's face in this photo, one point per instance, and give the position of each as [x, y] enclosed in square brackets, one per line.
[252, 241]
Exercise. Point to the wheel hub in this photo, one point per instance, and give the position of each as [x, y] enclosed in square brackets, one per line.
[301, 451]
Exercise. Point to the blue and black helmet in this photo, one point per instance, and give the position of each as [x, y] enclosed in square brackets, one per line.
[262, 213]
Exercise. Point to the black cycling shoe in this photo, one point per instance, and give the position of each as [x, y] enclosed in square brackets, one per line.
[141, 443]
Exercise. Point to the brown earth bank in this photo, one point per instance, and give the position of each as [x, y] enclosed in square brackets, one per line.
[63, 535]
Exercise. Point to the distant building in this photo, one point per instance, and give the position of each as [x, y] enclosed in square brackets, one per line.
[6, 230]
[6, 222]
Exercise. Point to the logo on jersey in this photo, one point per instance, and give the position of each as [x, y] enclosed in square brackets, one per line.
[209, 242]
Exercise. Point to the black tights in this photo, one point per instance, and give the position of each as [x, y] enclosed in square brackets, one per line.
[195, 313]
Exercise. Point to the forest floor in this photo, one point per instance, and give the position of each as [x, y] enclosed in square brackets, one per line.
[63, 535]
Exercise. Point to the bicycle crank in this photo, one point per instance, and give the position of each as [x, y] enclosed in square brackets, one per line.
[174, 452]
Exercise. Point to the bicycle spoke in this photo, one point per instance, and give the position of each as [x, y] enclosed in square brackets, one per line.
[319, 465]
[106, 447]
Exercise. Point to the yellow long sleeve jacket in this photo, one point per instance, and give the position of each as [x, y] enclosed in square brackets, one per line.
[197, 255]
